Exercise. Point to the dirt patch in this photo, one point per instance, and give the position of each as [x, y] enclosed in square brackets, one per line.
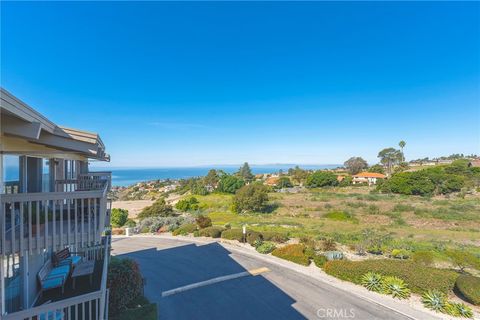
[133, 206]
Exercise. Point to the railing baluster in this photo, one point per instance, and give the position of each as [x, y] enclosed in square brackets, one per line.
[3, 227]
[96, 235]
[54, 227]
[46, 223]
[22, 235]
[76, 222]
[68, 222]
[30, 227]
[61, 225]
[81, 222]
[89, 222]
[37, 236]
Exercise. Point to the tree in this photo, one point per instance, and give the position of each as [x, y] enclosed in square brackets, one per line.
[229, 183]
[245, 172]
[118, 217]
[211, 179]
[377, 168]
[389, 157]
[355, 165]
[251, 198]
[463, 259]
[158, 209]
[321, 179]
[298, 175]
[402, 145]
[187, 204]
[284, 182]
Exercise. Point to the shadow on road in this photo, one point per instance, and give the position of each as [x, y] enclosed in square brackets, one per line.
[251, 297]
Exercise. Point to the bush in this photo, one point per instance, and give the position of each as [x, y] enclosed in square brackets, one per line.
[419, 278]
[253, 236]
[230, 183]
[400, 254]
[321, 179]
[144, 312]
[266, 247]
[395, 287]
[458, 310]
[274, 236]
[251, 198]
[319, 260]
[423, 257]
[328, 245]
[469, 287]
[125, 283]
[130, 223]
[213, 232]
[203, 221]
[340, 216]
[233, 234]
[185, 229]
[294, 253]
[118, 217]
[158, 209]
[154, 224]
[187, 204]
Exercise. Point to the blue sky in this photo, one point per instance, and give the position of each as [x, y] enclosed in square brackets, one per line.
[179, 84]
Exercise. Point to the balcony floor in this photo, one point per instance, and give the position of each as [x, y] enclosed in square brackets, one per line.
[82, 286]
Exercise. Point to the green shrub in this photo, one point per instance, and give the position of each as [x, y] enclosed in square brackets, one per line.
[395, 287]
[189, 204]
[320, 179]
[463, 259]
[274, 236]
[419, 278]
[233, 234]
[340, 216]
[266, 247]
[144, 312]
[372, 281]
[400, 254]
[185, 229]
[253, 236]
[130, 223]
[213, 232]
[118, 217]
[319, 260]
[469, 287]
[155, 224]
[203, 221]
[328, 245]
[125, 283]
[403, 207]
[158, 209]
[293, 252]
[372, 209]
[251, 198]
[423, 257]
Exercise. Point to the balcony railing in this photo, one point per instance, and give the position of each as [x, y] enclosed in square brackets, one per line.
[52, 220]
[91, 305]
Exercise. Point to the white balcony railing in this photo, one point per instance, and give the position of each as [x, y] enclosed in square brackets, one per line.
[52, 220]
[91, 306]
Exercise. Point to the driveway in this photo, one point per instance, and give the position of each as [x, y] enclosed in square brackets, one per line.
[190, 281]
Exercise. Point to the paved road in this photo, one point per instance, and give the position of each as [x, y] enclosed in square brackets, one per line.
[278, 294]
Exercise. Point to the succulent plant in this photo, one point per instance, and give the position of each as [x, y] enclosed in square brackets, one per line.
[458, 310]
[434, 300]
[395, 287]
[372, 281]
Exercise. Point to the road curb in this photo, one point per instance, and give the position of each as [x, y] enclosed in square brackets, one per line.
[401, 307]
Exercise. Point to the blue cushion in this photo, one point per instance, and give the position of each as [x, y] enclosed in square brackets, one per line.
[50, 283]
[65, 270]
[52, 315]
[76, 260]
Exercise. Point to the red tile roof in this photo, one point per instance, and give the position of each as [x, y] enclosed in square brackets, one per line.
[370, 175]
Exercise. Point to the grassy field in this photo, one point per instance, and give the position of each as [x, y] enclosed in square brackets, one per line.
[342, 214]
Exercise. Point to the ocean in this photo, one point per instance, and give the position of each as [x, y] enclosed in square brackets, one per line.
[128, 176]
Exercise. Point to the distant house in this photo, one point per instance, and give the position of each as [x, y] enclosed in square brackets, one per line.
[367, 177]
[272, 181]
[474, 163]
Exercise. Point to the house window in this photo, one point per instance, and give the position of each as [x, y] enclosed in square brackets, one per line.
[11, 174]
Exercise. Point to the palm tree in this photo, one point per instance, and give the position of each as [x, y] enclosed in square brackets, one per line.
[402, 145]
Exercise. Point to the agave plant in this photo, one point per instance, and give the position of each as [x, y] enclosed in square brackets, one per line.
[395, 287]
[434, 300]
[458, 310]
[372, 281]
